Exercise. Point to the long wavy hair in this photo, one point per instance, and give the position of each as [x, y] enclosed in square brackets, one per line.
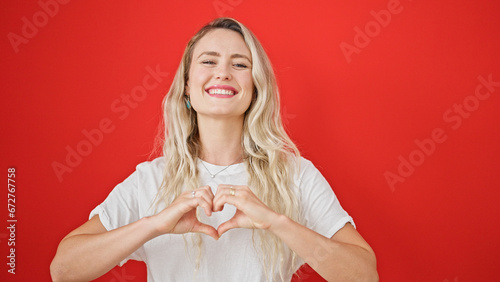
[271, 158]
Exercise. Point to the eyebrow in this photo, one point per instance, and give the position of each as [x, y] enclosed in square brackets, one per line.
[213, 53]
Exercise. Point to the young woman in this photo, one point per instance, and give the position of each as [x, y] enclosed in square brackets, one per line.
[230, 199]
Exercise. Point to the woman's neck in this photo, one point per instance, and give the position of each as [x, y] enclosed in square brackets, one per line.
[220, 140]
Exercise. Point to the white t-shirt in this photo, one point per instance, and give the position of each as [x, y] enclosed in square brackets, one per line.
[232, 257]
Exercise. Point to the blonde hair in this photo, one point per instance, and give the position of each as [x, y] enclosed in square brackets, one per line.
[271, 157]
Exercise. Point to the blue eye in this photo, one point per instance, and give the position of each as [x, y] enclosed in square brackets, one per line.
[241, 66]
[208, 62]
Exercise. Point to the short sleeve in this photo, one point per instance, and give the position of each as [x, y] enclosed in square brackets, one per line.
[121, 208]
[320, 207]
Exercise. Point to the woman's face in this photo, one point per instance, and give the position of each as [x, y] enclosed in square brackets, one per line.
[220, 83]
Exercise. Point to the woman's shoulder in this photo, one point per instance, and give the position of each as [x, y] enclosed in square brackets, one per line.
[302, 163]
[306, 168]
[156, 164]
[152, 169]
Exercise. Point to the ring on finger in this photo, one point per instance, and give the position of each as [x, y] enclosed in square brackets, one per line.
[193, 193]
[232, 191]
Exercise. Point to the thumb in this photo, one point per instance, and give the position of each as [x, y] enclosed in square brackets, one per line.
[206, 229]
[228, 225]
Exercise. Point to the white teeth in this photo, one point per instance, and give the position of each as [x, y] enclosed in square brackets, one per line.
[220, 91]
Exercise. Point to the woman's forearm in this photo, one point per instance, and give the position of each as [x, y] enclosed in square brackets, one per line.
[86, 256]
[332, 259]
[90, 251]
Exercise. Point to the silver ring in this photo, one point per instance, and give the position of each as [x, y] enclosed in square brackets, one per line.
[193, 193]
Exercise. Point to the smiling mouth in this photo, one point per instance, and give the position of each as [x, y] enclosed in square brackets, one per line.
[221, 91]
[217, 91]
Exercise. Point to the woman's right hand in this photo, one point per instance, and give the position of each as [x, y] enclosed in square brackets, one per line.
[90, 250]
[180, 216]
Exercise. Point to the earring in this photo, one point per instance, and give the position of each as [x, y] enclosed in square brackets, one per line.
[188, 103]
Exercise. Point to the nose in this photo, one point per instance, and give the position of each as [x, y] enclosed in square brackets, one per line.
[223, 72]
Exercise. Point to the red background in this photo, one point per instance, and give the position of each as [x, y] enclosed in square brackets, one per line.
[352, 119]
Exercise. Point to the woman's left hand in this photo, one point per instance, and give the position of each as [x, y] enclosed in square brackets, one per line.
[251, 212]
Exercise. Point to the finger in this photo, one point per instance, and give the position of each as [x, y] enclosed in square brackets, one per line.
[186, 202]
[228, 225]
[221, 200]
[206, 193]
[206, 229]
[196, 197]
[207, 188]
[226, 189]
[226, 194]
[206, 205]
